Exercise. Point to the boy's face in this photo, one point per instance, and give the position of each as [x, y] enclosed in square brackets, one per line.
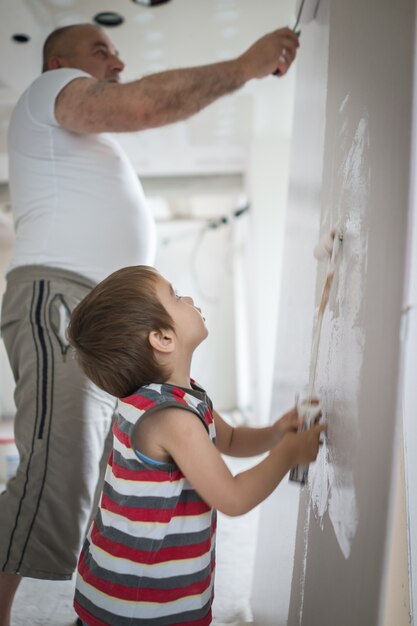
[189, 322]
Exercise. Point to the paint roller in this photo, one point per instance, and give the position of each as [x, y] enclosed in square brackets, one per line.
[324, 246]
[308, 410]
[306, 11]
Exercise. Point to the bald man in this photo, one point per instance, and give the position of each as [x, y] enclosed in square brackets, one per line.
[80, 214]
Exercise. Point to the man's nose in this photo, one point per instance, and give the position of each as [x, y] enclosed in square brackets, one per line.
[117, 64]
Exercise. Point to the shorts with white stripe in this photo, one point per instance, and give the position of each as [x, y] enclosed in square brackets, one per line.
[62, 428]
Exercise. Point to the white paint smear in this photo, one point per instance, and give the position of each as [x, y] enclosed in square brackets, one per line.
[304, 568]
[331, 479]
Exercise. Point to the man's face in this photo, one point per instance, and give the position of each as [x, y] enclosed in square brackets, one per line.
[93, 52]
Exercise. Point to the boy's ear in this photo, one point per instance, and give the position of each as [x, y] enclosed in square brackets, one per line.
[162, 340]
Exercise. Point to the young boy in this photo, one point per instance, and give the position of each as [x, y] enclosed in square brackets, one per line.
[149, 556]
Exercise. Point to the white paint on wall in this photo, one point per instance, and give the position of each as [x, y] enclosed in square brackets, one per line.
[342, 340]
[304, 566]
[341, 336]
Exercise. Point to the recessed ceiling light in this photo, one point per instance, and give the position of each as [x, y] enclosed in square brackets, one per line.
[150, 3]
[109, 18]
[20, 38]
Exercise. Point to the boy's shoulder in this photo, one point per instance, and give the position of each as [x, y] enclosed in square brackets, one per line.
[157, 394]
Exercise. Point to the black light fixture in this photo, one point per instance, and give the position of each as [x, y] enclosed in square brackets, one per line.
[109, 18]
[150, 3]
[20, 38]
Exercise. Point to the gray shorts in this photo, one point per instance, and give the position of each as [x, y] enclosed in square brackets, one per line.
[62, 428]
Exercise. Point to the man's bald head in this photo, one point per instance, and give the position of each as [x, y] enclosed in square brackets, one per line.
[62, 42]
[84, 47]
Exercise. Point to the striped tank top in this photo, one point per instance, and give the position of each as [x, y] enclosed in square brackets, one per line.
[149, 556]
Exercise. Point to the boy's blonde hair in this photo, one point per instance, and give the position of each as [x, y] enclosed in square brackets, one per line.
[109, 330]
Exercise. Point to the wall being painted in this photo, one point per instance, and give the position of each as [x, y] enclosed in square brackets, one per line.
[350, 167]
[345, 513]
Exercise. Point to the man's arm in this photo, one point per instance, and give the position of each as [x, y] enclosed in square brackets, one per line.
[91, 106]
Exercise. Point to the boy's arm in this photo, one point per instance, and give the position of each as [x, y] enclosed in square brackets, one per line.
[244, 441]
[182, 435]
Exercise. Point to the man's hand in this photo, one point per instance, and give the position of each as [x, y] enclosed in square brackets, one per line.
[274, 51]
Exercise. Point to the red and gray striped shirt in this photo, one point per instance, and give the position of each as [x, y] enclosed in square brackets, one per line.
[149, 556]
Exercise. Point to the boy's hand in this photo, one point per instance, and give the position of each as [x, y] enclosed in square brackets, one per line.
[307, 444]
[289, 422]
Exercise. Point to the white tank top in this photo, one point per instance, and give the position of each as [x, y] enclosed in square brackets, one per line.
[76, 199]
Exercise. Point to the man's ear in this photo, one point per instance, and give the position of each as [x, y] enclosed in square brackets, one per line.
[162, 340]
[54, 63]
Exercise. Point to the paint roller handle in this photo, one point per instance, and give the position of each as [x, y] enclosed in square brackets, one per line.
[310, 447]
[304, 15]
[310, 413]
[295, 30]
[282, 58]
[312, 440]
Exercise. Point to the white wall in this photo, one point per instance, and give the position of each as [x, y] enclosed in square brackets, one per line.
[396, 597]
[278, 515]
[267, 189]
[199, 262]
[409, 336]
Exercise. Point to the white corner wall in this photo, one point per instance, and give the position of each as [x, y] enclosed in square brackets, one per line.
[300, 229]
[409, 337]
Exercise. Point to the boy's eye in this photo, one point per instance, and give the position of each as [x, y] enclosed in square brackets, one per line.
[178, 297]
